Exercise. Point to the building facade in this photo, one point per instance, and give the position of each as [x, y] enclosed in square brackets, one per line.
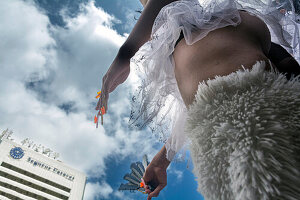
[26, 173]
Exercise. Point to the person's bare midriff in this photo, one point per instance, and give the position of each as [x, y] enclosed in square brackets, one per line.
[221, 52]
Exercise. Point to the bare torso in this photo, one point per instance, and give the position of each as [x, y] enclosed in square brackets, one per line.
[221, 52]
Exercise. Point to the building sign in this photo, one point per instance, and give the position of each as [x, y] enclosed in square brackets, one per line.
[16, 153]
[50, 168]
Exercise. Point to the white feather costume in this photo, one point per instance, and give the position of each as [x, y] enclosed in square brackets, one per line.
[245, 136]
[222, 151]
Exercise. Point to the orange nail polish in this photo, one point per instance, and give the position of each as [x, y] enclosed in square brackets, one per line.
[95, 119]
[103, 110]
[142, 184]
[98, 95]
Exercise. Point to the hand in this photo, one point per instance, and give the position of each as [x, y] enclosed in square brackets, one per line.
[116, 74]
[156, 176]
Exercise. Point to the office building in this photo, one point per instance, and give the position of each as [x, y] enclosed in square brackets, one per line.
[29, 171]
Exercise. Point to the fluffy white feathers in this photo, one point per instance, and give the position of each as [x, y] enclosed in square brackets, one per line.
[245, 134]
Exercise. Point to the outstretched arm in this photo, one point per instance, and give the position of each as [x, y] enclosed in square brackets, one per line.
[120, 69]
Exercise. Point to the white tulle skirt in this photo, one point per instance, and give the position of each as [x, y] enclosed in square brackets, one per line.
[156, 100]
[245, 136]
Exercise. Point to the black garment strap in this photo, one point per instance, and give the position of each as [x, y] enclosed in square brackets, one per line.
[180, 37]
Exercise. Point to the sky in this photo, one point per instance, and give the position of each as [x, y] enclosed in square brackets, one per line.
[53, 55]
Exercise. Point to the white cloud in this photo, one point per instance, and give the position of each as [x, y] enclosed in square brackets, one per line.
[73, 135]
[44, 67]
[26, 45]
[178, 174]
[96, 190]
[121, 195]
[130, 11]
[131, 17]
[87, 46]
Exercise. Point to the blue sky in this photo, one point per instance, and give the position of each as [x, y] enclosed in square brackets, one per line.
[54, 55]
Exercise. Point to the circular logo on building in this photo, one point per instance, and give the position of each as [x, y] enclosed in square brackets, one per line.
[16, 153]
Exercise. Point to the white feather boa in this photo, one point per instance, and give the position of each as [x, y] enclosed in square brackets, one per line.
[245, 136]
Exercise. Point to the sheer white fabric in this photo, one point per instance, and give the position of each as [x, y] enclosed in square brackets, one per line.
[157, 102]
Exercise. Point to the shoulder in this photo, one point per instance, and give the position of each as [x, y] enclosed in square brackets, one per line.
[257, 27]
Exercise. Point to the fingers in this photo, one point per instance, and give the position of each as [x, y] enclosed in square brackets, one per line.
[156, 192]
[102, 103]
[101, 100]
[147, 190]
[145, 186]
[103, 93]
[98, 104]
[101, 119]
